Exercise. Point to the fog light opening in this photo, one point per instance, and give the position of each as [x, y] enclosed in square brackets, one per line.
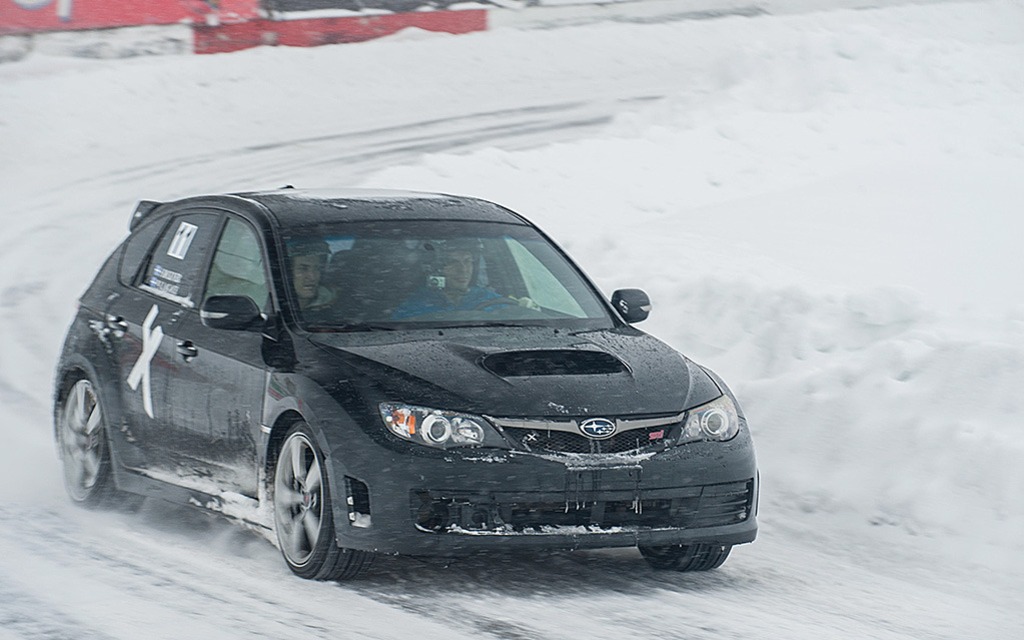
[358, 501]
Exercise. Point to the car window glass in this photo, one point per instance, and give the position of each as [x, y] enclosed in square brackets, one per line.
[541, 284]
[434, 273]
[178, 259]
[136, 247]
[237, 268]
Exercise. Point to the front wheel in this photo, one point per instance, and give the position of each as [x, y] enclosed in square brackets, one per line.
[303, 516]
[687, 557]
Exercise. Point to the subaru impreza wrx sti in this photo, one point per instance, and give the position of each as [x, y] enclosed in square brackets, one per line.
[384, 372]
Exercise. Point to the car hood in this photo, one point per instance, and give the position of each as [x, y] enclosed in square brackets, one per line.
[526, 371]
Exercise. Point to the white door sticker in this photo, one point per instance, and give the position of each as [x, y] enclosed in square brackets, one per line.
[182, 240]
[151, 339]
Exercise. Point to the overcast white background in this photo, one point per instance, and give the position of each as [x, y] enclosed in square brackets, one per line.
[825, 208]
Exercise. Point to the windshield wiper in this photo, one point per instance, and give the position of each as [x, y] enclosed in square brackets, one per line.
[519, 325]
[347, 328]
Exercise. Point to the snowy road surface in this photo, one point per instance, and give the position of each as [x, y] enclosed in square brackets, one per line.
[824, 207]
[170, 573]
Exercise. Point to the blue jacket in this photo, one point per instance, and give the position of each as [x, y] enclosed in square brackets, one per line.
[430, 300]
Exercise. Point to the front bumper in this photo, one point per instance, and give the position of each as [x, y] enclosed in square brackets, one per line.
[458, 502]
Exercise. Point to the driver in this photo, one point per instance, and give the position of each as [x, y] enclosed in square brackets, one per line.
[451, 289]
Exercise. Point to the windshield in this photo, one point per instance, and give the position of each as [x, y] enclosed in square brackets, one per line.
[420, 274]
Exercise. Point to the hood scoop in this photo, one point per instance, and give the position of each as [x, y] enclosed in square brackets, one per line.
[560, 362]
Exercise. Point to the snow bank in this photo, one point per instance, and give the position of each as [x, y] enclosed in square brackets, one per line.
[829, 218]
[825, 209]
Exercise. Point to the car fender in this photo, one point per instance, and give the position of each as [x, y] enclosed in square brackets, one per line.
[98, 366]
[332, 426]
[88, 349]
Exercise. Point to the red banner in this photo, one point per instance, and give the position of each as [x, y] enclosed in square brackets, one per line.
[27, 16]
[319, 31]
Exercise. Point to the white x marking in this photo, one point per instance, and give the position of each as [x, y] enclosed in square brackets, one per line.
[151, 339]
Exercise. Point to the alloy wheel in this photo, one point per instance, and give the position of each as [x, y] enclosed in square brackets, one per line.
[298, 499]
[81, 440]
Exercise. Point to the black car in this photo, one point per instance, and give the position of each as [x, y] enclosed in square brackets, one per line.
[363, 372]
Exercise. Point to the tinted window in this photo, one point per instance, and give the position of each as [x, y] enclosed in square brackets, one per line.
[178, 259]
[435, 273]
[238, 267]
[136, 247]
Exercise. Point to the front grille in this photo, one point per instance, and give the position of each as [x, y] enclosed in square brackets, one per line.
[564, 436]
[549, 441]
[682, 508]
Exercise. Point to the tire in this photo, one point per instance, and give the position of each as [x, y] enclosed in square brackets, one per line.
[303, 513]
[81, 433]
[692, 557]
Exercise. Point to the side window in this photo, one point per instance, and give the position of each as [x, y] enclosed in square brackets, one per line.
[178, 259]
[136, 247]
[237, 268]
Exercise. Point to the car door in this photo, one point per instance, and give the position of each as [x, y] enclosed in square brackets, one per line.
[216, 398]
[159, 288]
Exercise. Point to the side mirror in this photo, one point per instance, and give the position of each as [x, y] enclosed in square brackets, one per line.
[236, 313]
[632, 304]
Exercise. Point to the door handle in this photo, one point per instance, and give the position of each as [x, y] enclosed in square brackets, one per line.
[117, 325]
[187, 350]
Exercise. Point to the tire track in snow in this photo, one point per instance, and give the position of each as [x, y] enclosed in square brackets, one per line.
[148, 573]
[189, 571]
[47, 294]
[20, 615]
[169, 579]
[351, 153]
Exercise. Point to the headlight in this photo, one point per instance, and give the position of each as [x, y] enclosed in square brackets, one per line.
[716, 420]
[438, 428]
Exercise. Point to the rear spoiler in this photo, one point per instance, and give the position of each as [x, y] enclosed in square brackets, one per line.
[141, 211]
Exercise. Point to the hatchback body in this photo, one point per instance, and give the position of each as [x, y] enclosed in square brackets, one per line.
[366, 372]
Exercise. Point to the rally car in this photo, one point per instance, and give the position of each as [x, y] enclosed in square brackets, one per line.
[383, 372]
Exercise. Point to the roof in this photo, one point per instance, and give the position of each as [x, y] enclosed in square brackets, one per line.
[300, 207]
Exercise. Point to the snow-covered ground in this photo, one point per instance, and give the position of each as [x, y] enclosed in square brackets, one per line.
[825, 208]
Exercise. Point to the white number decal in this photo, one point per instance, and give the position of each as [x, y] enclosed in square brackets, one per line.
[182, 240]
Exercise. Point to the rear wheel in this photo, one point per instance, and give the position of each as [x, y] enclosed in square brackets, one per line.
[687, 557]
[84, 450]
[303, 514]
